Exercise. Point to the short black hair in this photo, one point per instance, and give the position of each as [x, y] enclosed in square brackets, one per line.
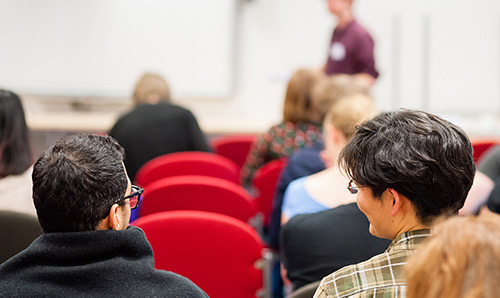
[15, 149]
[420, 155]
[76, 181]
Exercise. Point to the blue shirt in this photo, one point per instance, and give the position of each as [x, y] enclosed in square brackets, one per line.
[302, 163]
[298, 201]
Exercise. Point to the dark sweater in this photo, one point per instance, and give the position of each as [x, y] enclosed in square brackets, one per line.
[149, 131]
[317, 244]
[304, 162]
[91, 264]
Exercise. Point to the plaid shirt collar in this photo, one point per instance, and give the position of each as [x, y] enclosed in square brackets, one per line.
[382, 275]
[409, 240]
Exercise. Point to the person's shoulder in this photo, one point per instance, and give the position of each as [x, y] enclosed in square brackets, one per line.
[281, 125]
[295, 195]
[339, 283]
[307, 160]
[179, 286]
[360, 29]
[129, 119]
[323, 219]
[297, 184]
[381, 271]
[178, 108]
[307, 152]
[360, 32]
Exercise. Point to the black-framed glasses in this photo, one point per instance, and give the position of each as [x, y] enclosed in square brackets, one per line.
[352, 187]
[134, 197]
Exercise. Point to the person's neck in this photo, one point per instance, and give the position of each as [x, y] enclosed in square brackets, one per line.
[344, 18]
[412, 227]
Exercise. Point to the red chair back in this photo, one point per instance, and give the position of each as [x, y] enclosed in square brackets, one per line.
[187, 163]
[480, 146]
[264, 182]
[234, 147]
[216, 252]
[198, 193]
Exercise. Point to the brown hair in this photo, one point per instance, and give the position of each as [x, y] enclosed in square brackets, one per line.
[298, 103]
[328, 91]
[350, 111]
[151, 87]
[461, 259]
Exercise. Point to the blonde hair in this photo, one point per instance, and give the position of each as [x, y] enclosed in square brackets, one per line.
[461, 259]
[328, 91]
[151, 87]
[349, 112]
[298, 103]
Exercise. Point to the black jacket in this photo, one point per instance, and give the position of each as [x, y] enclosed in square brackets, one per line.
[91, 264]
[149, 131]
[317, 244]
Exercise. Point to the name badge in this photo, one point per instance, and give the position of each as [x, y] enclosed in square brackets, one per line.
[337, 52]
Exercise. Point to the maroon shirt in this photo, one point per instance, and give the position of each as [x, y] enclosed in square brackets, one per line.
[351, 51]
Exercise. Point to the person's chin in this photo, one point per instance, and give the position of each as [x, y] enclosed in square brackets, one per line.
[373, 231]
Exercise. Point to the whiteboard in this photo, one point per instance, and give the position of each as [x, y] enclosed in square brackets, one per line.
[100, 47]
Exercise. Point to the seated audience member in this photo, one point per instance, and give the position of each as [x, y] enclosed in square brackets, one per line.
[489, 168]
[83, 199]
[461, 259]
[326, 189]
[299, 128]
[407, 167]
[479, 194]
[15, 156]
[489, 164]
[314, 245]
[307, 161]
[155, 126]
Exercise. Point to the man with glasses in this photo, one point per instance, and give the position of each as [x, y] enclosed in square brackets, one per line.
[83, 198]
[407, 168]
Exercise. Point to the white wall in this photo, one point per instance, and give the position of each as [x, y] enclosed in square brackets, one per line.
[275, 37]
[99, 47]
[439, 55]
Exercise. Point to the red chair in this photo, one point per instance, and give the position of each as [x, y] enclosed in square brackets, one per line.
[264, 182]
[198, 193]
[220, 254]
[234, 147]
[187, 163]
[480, 146]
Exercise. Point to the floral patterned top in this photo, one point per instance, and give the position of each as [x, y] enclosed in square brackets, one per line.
[279, 141]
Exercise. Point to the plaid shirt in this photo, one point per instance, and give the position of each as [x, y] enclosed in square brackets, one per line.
[381, 276]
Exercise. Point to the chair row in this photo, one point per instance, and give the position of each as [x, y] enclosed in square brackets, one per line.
[232, 148]
[208, 182]
[222, 255]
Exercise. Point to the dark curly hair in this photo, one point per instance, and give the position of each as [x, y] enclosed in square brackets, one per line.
[420, 155]
[76, 181]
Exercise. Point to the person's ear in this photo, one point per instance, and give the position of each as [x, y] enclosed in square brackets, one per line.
[338, 137]
[396, 201]
[326, 158]
[114, 218]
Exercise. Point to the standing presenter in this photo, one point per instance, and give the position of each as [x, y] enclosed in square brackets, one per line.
[351, 47]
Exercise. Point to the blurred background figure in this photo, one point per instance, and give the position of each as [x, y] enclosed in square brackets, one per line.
[314, 243]
[300, 127]
[308, 161]
[155, 126]
[326, 189]
[489, 167]
[461, 259]
[15, 156]
[351, 47]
